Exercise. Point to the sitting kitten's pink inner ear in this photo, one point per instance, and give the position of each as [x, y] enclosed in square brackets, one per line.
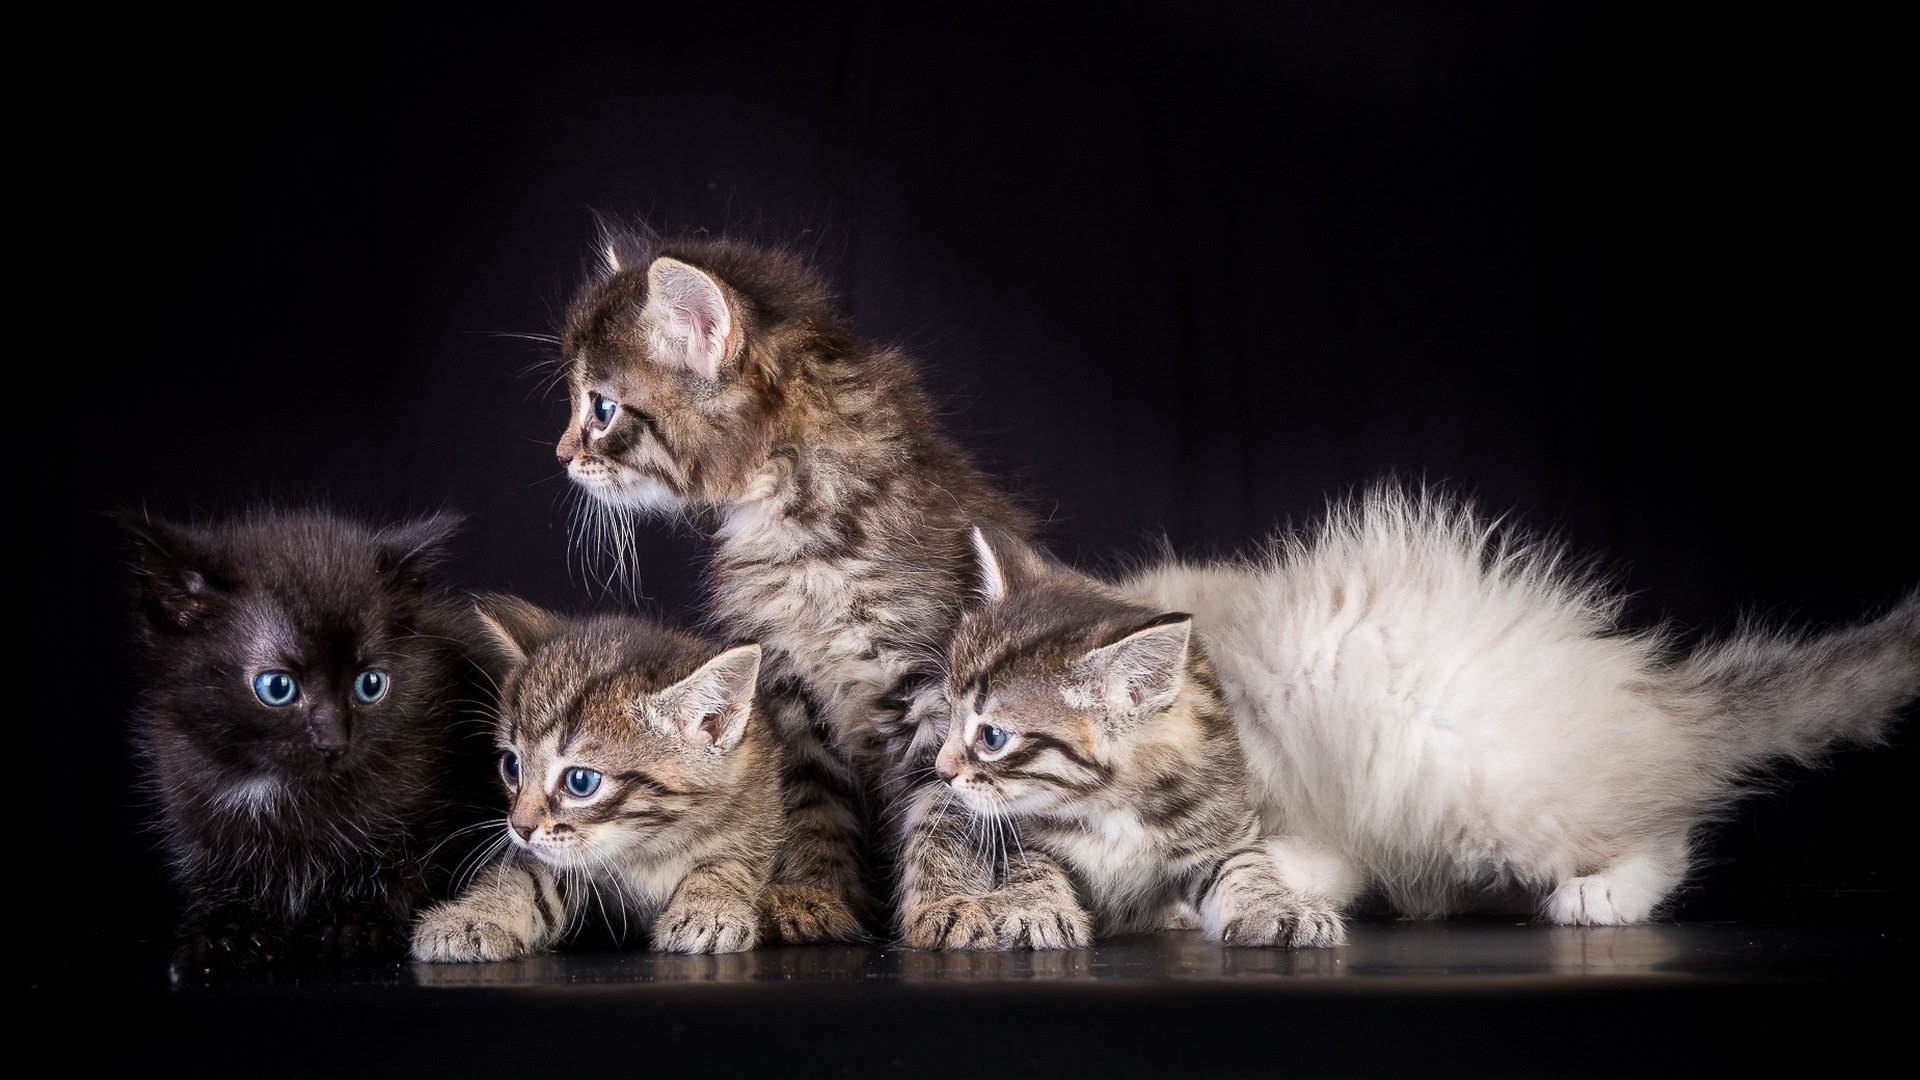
[689, 322]
[711, 706]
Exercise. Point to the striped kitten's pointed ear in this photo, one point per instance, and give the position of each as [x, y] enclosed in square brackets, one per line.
[689, 318]
[516, 627]
[1143, 671]
[711, 706]
[1004, 562]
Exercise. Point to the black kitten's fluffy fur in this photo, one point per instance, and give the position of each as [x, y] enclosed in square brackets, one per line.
[315, 827]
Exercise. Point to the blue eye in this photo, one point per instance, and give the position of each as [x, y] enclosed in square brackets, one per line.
[510, 767]
[370, 686]
[581, 783]
[275, 688]
[604, 410]
[991, 737]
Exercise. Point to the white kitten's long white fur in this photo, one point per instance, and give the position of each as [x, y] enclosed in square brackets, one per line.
[1442, 710]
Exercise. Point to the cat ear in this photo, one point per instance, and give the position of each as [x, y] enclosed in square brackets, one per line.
[1142, 671]
[405, 554]
[180, 582]
[516, 627]
[711, 706]
[689, 321]
[1004, 562]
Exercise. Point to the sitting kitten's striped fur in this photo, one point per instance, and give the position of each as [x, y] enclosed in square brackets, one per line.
[717, 380]
[643, 781]
[1093, 729]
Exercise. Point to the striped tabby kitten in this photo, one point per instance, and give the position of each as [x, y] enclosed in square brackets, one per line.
[643, 783]
[716, 380]
[1090, 736]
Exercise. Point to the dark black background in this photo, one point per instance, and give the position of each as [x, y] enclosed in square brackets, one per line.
[1182, 270]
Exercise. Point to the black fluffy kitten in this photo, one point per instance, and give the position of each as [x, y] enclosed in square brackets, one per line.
[313, 724]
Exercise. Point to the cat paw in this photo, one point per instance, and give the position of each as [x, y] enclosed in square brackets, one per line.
[1598, 901]
[226, 944]
[706, 928]
[957, 922]
[802, 915]
[1296, 923]
[447, 934]
[359, 937]
[1042, 926]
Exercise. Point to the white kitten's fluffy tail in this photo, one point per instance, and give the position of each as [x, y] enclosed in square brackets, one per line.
[1764, 696]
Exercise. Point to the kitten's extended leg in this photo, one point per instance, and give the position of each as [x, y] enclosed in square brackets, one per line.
[818, 887]
[712, 911]
[1037, 908]
[1623, 892]
[943, 878]
[1242, 901]
[512, 909]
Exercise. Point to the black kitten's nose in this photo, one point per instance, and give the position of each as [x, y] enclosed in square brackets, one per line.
[327, 734]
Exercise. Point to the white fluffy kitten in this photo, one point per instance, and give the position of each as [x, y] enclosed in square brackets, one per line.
[1441, 711]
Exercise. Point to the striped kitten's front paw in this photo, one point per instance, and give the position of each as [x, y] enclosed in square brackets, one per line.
[957, 922]
[449, 934]
[1296, 922]
[1041, 925]
[707, 927]
[802, 915]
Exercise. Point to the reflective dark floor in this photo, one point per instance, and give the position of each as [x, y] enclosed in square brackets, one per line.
[1456, 997]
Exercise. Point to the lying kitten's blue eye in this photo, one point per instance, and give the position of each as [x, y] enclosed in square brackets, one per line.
[604, 410]
[991, 737]
[275, 688]
[581, 783]
[370, 686]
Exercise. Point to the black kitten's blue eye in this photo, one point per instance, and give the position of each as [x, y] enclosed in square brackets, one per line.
[991, 737]
[275, 688]
[604, 410]
[510, 767]
[370, 686]
[581, 783]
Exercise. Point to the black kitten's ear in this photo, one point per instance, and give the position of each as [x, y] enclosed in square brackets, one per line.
[711, 706]
[406, 553]
[1005, 562]
[1142, 671]
[181, 581]
[516, 626]
[689, 318]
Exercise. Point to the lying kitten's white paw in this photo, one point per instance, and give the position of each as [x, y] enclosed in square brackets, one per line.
[957, 922]
[706, 928]
[1599, 901]
[448, 934]
[1041, 926]
[1294, 923]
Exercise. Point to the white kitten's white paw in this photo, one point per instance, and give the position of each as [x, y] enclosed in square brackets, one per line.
[1600, 901]
[449, 934]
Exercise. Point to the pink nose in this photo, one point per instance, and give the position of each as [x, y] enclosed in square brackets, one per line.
[946, 766]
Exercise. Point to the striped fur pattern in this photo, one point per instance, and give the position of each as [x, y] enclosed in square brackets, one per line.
[1445, 712]
[715, 380]
[1090, 738]
[643, 786]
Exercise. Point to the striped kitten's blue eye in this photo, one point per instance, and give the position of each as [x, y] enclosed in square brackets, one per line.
[275, 688]
[604, 410]
[581, 783]
[370, 686]
[990, 737]
[510, 768]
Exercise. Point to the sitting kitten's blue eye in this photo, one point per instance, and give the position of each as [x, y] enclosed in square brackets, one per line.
[370, 686]
[510, 767]
[604, 410]
[275, 688]
[581, 783]
[991, 737]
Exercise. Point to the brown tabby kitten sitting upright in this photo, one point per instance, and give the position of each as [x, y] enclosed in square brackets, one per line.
[643, 782]
[717, 380]
[1096, 730]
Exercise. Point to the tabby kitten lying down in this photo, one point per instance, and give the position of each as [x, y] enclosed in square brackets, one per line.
[1090, 737]
[312, 726]
[643, 783]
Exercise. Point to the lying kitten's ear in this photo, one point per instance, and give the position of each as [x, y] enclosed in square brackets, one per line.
[180, 581]
[406, 553]
[1142, 671]
[711, 706]
[1004, 561]
[689, 319]
[517, 627]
